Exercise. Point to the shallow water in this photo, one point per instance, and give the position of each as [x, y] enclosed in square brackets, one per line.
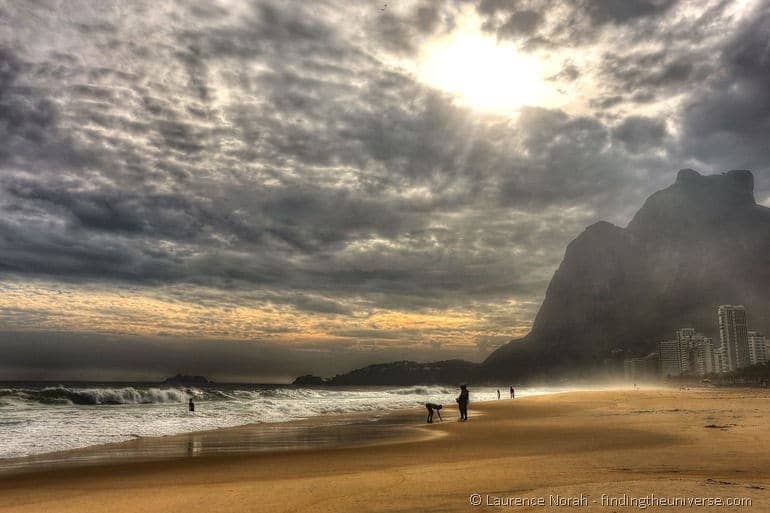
[42, 418]
[324, 432]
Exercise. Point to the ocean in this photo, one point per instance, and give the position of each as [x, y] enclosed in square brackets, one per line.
[38, 418]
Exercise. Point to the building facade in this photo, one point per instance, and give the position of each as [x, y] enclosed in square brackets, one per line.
[696, 353]
[670, 358]
[704, 362]
[757, 347]
[684, 337]
[733, 334]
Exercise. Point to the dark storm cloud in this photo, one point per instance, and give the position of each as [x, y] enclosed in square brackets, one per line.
[727, 121]
[639, 133]
[519, 23]
[402, 32]
[491, 7]
[28, 119]
[647, 69]
[265, 153]
[641, 77]
[621, 11]
[600, 11]
[572, 160]
[539, 23]
[168, 175]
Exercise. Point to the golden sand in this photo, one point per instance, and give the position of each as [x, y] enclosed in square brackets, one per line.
[568, 450]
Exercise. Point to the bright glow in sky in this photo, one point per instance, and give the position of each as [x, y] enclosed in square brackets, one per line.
[483, 74]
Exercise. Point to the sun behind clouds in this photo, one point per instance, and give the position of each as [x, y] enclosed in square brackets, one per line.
[482, 74]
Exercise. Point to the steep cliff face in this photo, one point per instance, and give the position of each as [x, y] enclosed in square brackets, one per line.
[699, 243]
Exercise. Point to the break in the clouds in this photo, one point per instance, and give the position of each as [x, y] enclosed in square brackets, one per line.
[304, 178]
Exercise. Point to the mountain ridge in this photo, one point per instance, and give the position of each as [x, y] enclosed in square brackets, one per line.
[701, 242]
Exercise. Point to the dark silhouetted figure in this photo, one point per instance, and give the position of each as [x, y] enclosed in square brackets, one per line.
[513, 393]
[191, 405]
[462, 402]
[498, 395]
[431, 407]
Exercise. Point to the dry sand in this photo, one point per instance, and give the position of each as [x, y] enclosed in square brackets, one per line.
[686, 444]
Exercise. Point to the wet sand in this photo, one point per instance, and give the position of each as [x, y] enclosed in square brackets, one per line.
[322, 432]
[698, 444]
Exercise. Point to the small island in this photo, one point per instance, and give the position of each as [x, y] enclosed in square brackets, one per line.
[181, 379]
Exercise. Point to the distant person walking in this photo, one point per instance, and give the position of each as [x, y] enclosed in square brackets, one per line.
[513, 393]
[498, 395]
[432, 407]
[191, 405]
[462, 402]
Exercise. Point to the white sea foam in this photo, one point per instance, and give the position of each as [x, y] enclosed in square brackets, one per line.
[36, 420]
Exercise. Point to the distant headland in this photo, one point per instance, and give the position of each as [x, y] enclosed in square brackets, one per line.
[181, 379]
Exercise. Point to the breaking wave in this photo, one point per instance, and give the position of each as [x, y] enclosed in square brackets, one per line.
[94, 396]
[418, 390]
[38, 418]
[62, 395]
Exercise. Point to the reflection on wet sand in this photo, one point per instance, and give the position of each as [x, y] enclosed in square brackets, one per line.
[320, 432]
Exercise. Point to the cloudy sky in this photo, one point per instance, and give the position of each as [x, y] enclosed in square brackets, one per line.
[258, 189]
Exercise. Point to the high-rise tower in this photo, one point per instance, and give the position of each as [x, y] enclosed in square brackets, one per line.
[733, 333]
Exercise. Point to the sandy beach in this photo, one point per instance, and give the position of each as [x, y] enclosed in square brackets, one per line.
[582, 451]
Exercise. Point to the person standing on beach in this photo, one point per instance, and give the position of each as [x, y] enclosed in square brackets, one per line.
[462, 402]
[498, 395]
[191, 405]
[513, 392]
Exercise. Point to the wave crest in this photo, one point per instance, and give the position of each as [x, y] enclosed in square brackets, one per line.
[421, 390]
[96, 396]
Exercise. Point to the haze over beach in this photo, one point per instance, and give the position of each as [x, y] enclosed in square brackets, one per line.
[284, 250]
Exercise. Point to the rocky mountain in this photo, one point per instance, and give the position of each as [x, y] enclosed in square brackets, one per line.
[699, 243]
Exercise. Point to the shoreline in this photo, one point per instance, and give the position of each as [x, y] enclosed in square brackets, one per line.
[696, 443]
[337, 430]
[319, 431]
